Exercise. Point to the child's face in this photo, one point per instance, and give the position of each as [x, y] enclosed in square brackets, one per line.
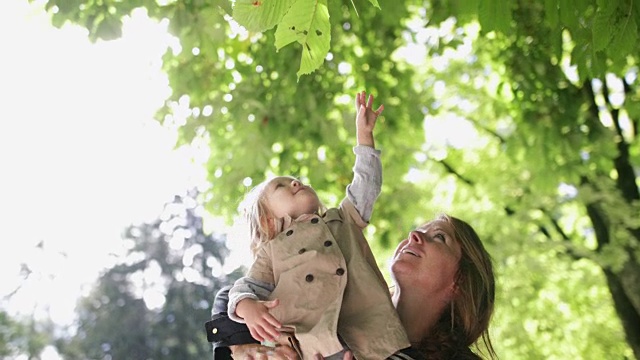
[286, 195]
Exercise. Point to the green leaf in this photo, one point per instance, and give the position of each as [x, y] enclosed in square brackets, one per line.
[260, 15]
[568, 14]
[109, 28]
[307, 22]
[601, 31]
[551, 12]
[375, 3]
[224, 5]
[625, 38]
[495, 15]
[465, 8]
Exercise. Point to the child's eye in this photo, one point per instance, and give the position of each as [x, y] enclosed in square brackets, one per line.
[279, 185]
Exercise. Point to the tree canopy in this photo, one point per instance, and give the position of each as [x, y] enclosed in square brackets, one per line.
[520, 117]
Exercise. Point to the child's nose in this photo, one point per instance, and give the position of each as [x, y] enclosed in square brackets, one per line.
[295, 183]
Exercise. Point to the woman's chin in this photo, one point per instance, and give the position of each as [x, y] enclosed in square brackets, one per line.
[400, 266]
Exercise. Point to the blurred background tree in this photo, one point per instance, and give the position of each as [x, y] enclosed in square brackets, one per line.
[520, 117]
[26, 336]
[154, 304]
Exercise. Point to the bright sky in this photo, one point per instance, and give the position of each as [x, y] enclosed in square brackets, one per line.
[80, 154]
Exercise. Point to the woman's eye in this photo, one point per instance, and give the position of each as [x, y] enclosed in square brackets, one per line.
[439, 237]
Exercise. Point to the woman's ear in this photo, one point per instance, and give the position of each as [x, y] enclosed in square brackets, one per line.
[453, 290]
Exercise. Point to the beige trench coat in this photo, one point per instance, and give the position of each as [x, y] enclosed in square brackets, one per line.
[328, 283]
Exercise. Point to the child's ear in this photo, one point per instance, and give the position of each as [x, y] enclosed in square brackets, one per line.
[269, 223]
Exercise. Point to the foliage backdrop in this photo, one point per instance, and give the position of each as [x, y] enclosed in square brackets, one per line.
[543, 97]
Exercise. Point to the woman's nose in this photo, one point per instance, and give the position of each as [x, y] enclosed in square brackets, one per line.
[416, 237]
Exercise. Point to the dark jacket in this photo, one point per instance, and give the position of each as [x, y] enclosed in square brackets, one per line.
[224, 332]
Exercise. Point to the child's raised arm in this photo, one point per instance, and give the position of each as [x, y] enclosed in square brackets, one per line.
[367, 170]
[366, 119]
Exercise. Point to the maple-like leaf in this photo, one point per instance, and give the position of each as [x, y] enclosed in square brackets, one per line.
[306, 22]
[260, 15]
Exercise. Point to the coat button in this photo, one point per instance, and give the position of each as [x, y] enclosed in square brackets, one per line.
[309, 278]
[314, 220]
[301, 251]
[339, 272]
[327, 243]
[214, 330]
[289, 232]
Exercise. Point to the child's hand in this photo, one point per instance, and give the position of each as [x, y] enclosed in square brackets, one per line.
[366, 118]
[262, 325]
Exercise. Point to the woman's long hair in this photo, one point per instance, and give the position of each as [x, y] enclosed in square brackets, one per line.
[466, 320]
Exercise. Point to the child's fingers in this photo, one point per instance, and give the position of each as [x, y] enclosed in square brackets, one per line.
[370, 101]
[268, 333]
[273, 321]
[380, 109]
[348, 356]
[271, 304]
[269, 328]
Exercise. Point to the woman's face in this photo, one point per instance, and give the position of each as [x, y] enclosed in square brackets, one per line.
[428, 258]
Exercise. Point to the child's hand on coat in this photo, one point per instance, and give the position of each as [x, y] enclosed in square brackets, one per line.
[262, 325]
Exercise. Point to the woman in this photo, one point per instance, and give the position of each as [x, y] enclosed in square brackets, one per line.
[444, 291]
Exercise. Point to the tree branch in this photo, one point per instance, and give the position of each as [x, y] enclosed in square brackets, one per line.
[453, 171]
[634, 122]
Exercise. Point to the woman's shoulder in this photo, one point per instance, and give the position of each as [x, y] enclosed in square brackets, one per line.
[407, 354]
[415, 354]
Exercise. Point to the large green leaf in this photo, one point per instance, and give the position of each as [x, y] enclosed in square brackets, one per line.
[625, 38]
[551, 12]
[601, 29]
[495, 15]
[260, 15]
[307, 22]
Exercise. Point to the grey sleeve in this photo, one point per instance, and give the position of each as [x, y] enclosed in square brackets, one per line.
[367, 180]
[243, 288]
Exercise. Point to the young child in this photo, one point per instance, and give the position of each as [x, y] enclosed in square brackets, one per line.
[316, 267]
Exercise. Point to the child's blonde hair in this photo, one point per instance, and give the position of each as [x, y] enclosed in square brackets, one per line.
[256, 214]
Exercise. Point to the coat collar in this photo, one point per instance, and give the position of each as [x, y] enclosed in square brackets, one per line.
[332, 214]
